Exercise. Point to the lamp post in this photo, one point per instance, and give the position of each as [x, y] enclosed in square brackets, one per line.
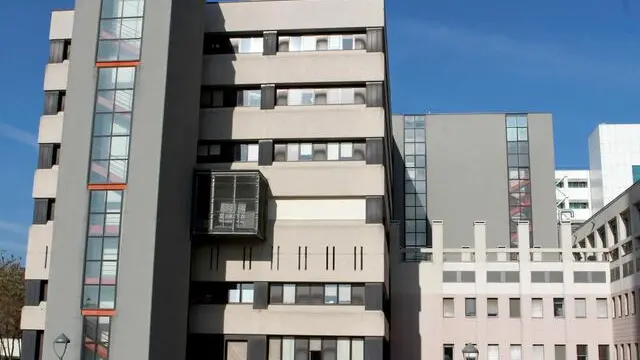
[470, 352]
[60, 345]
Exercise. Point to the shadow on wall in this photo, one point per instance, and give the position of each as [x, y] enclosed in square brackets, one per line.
[405, 337]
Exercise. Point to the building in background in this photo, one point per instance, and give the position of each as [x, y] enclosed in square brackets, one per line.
[278, 126]
[616, 229]
[614, 161]
[493, 268]
[573, 196]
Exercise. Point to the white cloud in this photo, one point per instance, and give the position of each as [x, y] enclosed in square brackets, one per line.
[12, 227]
[19, 135]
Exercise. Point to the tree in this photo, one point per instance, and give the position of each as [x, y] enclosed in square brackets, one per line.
[11, 302]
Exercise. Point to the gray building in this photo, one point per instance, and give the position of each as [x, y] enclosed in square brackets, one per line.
[221, 180]
[464, 167]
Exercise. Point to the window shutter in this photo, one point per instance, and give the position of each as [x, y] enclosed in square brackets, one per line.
[56, 51]
[268, 97]
[375, 151]
[40, 211]
[270, 43]
[265, 153]
[45, 156]
[51, 102]
[375, 94]
[375, 40]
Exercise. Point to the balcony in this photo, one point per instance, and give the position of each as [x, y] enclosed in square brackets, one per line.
[229, 204]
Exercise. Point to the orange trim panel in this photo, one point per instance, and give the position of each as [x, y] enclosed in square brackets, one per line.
[98, 312]
[107, 186]
[117, 64]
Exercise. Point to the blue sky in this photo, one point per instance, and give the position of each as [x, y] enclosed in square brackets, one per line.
[579, 59]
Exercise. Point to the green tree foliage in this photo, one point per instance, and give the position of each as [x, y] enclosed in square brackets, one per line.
[11, 302]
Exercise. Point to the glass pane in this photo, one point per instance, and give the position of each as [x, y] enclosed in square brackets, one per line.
[288, 294]
[421, 161]
[122, 124]
[512, 134]
[331, 294]
[344, 294]
[292, 152]
[119, 147]
[522, 134]
[123, 101]
[409, 135]
[92, 272]
[126, 77]
[409, 200]
[247, 293]
[333, 151]
[107, 50]
[112, 225]
[420, 149]
[420, 135]
[234, 294]
[102, 124]
[117, 171]
[100, 148]
[409, 149]
[346, 150]
[131, 8]
[512, 121]
[108, 273]
[106, 78]
[114, 201]
[110, 250]
[98, 172]
[129, 50]
[105, 101]
[96, 224]
[97, 201]
[90, 297]
[131, 28]
[107, 297]
[94, 248]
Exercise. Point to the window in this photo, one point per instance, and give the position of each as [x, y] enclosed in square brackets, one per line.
[537, 308]
[602, 308]
[518, 168]
[227, 152]
[448, 307]
[493, 352]
[581, 308]
[212, 97]
[603, 352]
[112, 125]
[514, 307]
[470, 307]
[558, 307]
[447, 350]
[625, 304]
[515, 352]
[102, 245]
[327, 96]
[576, 184]
[236, 350]
[241, 293]
[322, 42]
[538, 352]
[317, 294]
[633, 304]
[560, 352]
[578, 205]
[333, 151]
[96, 333]
[120, 30]
[302, 348]
[581, 352]
[492, 307]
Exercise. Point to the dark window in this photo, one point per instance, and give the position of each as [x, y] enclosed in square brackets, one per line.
[211, 97]
[320, 151]
[558, 307]
[215, 44]
[581, 352]
[227, 152]
[603, 352]
[97, 337]
[318, 294]
[275, 294]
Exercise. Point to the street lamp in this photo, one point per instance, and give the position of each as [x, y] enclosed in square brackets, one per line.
[470, 352]
[61, 342]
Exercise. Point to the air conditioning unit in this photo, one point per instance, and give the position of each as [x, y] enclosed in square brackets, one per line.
[501, 255]
[466, 256]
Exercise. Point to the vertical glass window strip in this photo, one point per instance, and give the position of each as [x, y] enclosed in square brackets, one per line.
[415, 187]
[120, 30]
[101, 258]
[519, 174]
[96, 335]
[112, 125]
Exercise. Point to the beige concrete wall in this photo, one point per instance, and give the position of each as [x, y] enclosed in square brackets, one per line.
[55, 76]
[61, 25]
[292, 122]
[288, 320]
[294, 67]
[45, 182]
[293, 15]
[422, 293]
[50, 130]
[39, 251]
[33, 317]
[277, 261]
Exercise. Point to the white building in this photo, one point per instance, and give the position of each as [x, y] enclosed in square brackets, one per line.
[573, 195]
[614, 161]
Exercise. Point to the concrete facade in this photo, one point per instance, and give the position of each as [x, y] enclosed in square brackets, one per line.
[613, 153]
[616, 227]
[325, 233]
[573, 196]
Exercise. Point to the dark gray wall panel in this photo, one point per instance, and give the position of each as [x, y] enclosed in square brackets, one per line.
[374, 348]
[268, 99]
[375, 151]
[375, 40]
[40, 211]
[270, 43]
[33, 292]
[265, 152]
[51, 101]
[45, 156]
[260, 295]
[375, 210]
[56, 51]
[257, 348]
[374, 296]
[30, 347]
[375, 94]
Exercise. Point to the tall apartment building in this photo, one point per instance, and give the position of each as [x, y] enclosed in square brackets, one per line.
[223, 183]
[483, 259]
[573, 196]
[614, 161]
[616, 228]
